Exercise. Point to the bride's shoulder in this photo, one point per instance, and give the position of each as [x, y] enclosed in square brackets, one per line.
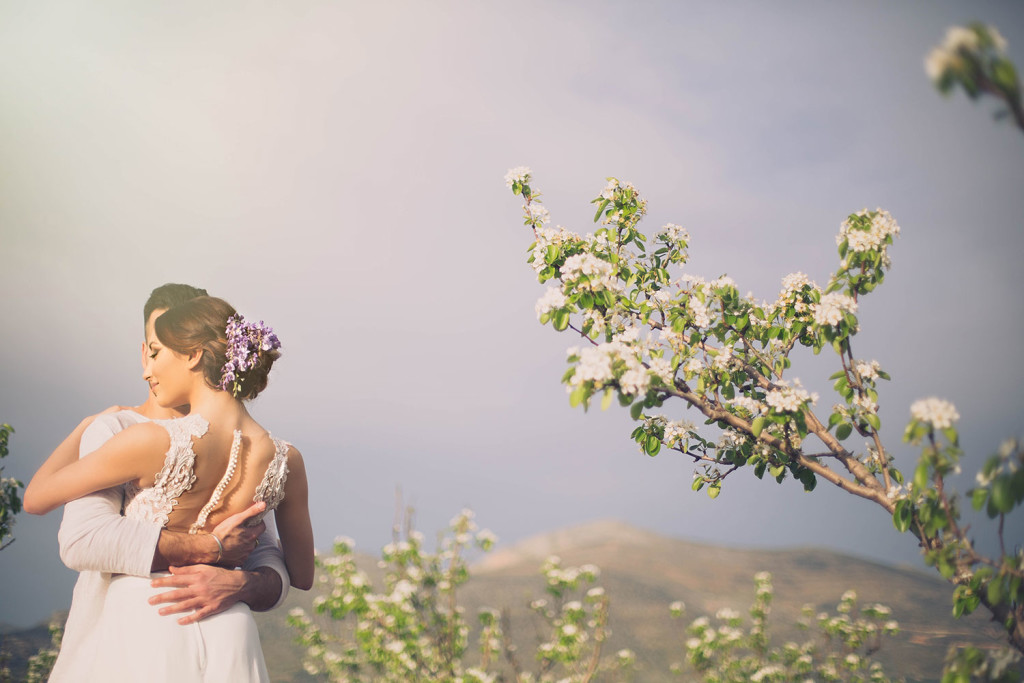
[192, 424]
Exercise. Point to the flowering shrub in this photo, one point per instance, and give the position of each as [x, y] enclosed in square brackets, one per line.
[648, 334]
[721, 651]
[10, 503]
[415, 629]
[974, 57]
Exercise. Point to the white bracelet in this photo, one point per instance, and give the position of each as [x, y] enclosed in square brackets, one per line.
[220, 548]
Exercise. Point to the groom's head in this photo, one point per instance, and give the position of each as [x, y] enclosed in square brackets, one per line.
[160, 299]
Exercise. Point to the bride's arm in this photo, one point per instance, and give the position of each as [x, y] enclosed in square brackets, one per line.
[293, 524]
[135, 453]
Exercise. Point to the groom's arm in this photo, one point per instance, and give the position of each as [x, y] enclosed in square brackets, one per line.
[94, 536]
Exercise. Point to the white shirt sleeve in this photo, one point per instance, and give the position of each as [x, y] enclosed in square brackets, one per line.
[93, 535]
[269, 554]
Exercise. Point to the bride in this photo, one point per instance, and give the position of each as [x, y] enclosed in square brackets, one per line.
[190, 474]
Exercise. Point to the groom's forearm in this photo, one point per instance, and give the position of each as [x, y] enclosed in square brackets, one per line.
[261, 589]
[178, 549]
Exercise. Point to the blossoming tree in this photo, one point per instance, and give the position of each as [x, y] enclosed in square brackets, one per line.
[10, 503]
[653, 337]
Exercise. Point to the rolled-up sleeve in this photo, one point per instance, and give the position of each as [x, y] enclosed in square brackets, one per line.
[93, 535]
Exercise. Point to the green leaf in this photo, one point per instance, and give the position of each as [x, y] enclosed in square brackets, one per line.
[600, 209]
[714, 490]
[1002, 494]
[901, 516]
[921, 476]
[607, 399]
[576, 397]
[560, 319]
[652, 445]
[757, 426]
[843, 430]
[995, 590]
[697, 485]
[978, 497]
[635, 410]
[873, 420]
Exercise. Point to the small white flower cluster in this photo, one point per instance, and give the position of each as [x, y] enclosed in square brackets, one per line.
[600, 274]
[723, 281]
[794, 283]
[730, 438]
[609, 190]
[678, 431]
[700, 312]
[748, 404]
[882, 226]
[832, 307]
[766, 672]
[935, 411]
[596, 365]
[865, 403]
[692, 366]
[550, 236]
[786, 399]
[868, 371]
[519, 174]
[662, 369]
[537, 213]
[947, 56]
[723, 361]
[552, 299]
[727, 614]
[673, 234]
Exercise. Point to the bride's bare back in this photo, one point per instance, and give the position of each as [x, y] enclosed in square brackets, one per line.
[194, 490]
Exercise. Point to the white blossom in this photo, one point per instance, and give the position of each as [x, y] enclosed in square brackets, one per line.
[673, 233]
[552, 299]
[882, 226]
[538, 213]
[678, 431]
[519, 174]
[700, 312]
[599, 273]
[724, 358]
[937, 412]
[832, 307]
[785, 399]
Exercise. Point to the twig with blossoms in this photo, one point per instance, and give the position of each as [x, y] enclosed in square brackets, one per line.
[656, 335]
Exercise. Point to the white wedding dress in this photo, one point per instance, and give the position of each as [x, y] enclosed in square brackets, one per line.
[133, 641]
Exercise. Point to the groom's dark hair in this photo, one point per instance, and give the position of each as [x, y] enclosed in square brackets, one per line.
[169, 296]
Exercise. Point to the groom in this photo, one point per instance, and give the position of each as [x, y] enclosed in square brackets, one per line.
[97, 541]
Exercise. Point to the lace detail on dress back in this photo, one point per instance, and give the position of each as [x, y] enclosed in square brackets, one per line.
[271, 489]
[154, 504]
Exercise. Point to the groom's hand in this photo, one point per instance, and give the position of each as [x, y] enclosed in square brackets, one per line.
[238, 540]
[208, 590]
[202, 588]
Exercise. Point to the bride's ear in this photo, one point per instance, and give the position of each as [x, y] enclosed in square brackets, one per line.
[194, 358]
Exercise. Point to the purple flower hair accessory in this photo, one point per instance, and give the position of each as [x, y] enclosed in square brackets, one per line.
[245, 340]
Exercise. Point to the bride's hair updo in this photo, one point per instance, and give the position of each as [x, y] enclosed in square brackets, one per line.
[201, 325]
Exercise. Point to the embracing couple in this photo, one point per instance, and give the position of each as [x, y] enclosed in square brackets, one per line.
[163, 501]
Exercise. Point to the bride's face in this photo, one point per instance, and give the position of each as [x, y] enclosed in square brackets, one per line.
[170, 375]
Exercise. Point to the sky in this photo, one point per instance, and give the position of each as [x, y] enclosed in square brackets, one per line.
[336, 169]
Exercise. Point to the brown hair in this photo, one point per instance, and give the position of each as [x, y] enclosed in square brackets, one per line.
[200, 324]
[169, 296]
